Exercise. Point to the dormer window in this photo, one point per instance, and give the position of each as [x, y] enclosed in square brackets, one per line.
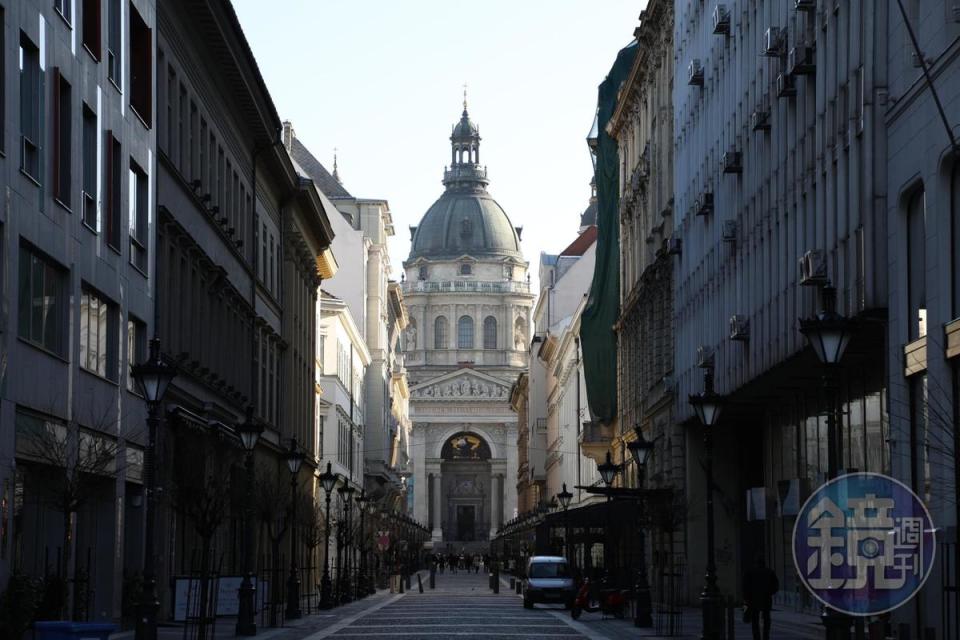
[466, 269]
[422, 275]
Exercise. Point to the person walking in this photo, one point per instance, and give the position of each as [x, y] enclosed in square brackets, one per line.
[759, 586]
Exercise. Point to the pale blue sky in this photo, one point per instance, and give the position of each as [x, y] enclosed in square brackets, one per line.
[382, 81]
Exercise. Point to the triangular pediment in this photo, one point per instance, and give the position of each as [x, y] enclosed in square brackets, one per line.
[463, 384]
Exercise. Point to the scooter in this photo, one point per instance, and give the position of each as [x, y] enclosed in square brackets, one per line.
[612, 602]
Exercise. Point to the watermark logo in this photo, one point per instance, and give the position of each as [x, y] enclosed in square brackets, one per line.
[863, 544]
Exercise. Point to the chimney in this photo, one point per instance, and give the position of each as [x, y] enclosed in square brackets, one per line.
[288, 135]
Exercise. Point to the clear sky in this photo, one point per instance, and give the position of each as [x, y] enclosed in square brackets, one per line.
[382, 81]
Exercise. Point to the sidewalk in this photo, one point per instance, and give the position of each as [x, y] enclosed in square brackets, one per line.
[786, 625]
[309, 625]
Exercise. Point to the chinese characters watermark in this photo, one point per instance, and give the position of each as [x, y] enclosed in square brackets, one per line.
[863, 544]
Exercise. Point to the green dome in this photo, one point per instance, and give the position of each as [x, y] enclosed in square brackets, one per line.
[465, 223]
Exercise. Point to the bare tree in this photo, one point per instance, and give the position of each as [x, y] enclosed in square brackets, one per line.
[203, 466]
[272, 504]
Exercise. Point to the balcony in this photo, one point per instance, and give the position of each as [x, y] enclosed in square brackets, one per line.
[595, 440]
[466, 286]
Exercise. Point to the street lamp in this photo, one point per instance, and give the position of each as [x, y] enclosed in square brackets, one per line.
[327, 480]
[250, 431]
[371, 511]
[707, 404]
[153, 378]
[294, 458]
[343, 567]
[360, 587]
[564, 497]
[829, 333]
[641, 448]
[608, 472]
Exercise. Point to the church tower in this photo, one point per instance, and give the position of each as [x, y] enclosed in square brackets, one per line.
[468, 295]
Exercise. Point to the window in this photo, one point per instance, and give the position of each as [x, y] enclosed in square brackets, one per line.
[98, 335]
[41, 318]
[62, 151]
[114, 52]
[917, 265]
[489, 332]
[113, 175]
[65, 9]
[91, 27]
[465, 332]
[29, 107]
[139, 220]
[422, 272]
[141, 67]
[3, 84]
[466, 269]
[440, 333]
[89, 197]
[136, 348]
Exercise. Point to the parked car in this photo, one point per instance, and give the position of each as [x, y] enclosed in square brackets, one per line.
[548, 579]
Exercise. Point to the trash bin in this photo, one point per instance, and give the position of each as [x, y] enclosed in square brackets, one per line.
[61, 630]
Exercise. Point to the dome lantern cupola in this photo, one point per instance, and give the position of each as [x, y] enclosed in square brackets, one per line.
[465, 171]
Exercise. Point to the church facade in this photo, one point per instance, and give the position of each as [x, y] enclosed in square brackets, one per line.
[468, 295]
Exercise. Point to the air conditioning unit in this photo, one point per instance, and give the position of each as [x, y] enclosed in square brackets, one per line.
[772, 42]
[729, 233]
[805, 5]
[704, 356]
[785, 86]
[721, 20]
[695, 73]
[813, 268]
[800, 61]
[739, 327]
[675, 246]
[704, 204]
[730, 161]
[760, 120]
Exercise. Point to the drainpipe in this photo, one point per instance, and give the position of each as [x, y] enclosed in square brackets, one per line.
[576, 341]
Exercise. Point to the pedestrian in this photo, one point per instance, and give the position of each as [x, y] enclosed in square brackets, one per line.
[759, 586]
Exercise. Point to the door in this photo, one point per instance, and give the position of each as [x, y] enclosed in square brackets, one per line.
[465, 522]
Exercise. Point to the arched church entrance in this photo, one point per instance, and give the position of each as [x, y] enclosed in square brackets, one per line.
[466, 488]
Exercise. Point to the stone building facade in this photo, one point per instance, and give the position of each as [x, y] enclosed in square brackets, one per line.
[642, 125]
[469, 303]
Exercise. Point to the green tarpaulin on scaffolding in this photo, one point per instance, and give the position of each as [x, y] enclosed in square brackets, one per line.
[603, 306]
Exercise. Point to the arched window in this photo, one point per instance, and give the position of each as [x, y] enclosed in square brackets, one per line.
[465, 332]
[489, 332]
[440, 333]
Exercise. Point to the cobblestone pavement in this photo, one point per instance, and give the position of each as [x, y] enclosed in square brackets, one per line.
[462, 607]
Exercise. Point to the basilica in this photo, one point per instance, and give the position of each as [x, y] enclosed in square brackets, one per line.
[468, 294]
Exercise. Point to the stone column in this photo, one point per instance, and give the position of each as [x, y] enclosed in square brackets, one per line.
[494, 503]
[510, 502]
[437, 508]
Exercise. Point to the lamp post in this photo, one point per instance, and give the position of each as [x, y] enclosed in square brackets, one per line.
[371, 571]
[360, 587]
[565, 497]
[829, 333]
[294, 459]
[153, 378]
[641, 448]
[327, 480]
[346, 495]
[250, 431]
[708, 405]
[608, 472]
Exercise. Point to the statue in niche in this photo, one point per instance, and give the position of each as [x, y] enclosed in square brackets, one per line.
[411, 337]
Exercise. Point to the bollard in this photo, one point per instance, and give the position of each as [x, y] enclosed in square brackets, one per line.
[420, 583]
[495, 579]
[433, 578]
[512, 580]
[490, 580]
[409, 581]
[401, 582]
[519, 586]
